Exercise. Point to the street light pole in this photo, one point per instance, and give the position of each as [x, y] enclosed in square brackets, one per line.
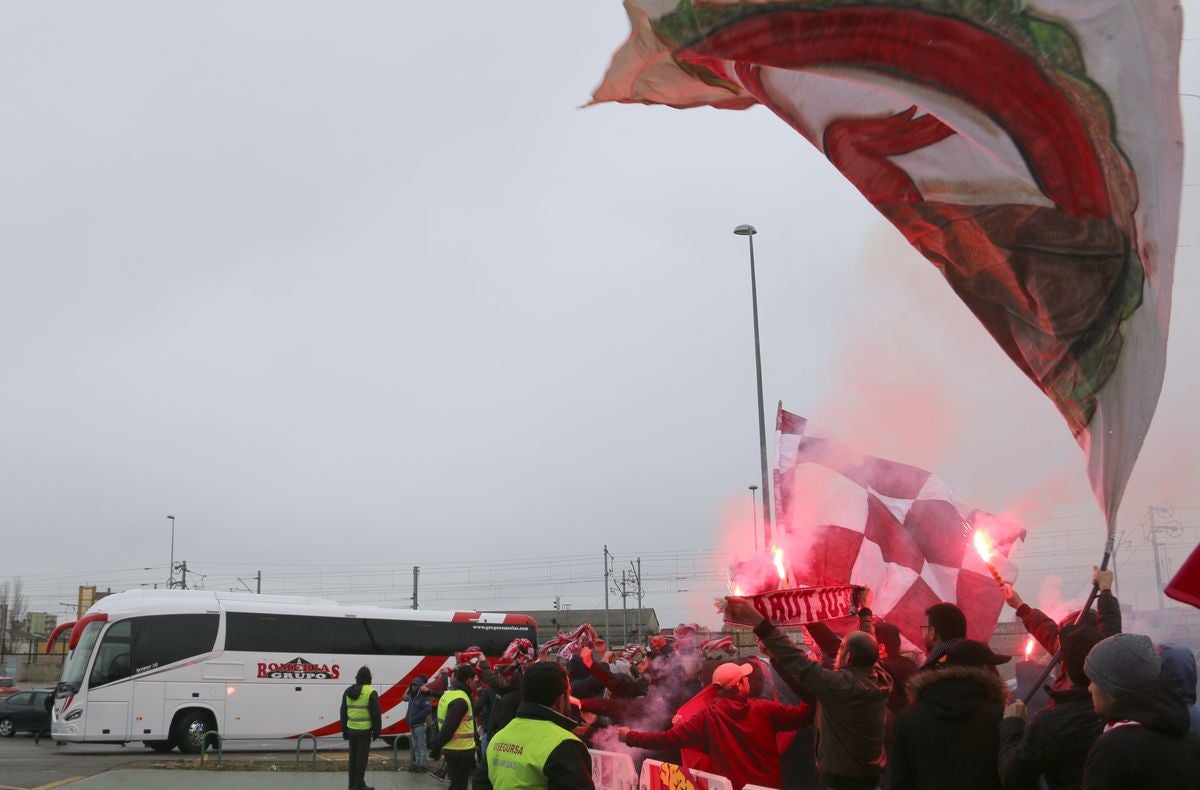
[754, 514]
[171, 577]
[748, 231]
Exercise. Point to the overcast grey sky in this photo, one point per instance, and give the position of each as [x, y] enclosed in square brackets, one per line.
[349, 288]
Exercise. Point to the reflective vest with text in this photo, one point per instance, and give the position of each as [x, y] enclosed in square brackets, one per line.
[517, 754]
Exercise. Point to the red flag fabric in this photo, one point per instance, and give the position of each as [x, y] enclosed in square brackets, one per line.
[861, 520]
[1185, 587]
[1032, 151]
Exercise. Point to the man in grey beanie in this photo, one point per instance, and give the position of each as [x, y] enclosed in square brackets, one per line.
[1145, 742]
[1122, 663]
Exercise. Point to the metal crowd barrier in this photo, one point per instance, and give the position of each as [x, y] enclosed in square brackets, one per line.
[300, 741]
[213, 735]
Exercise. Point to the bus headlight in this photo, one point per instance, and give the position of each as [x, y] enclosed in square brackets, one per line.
[73, 715]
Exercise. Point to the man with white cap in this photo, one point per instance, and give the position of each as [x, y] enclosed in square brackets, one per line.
[1145, 742]
[737, 732]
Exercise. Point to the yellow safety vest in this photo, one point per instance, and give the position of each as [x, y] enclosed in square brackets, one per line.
[358, 711]
[517, 755]
[464, 736]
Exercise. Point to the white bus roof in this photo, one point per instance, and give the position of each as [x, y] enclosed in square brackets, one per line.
[143, 602]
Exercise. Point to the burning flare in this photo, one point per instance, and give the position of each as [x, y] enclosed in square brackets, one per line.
[777, 557]
[983, 545]
[1028, 647]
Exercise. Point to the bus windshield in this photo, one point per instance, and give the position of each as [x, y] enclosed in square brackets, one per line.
[76, 667]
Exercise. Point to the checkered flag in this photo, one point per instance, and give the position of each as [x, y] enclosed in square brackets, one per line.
[849, 519]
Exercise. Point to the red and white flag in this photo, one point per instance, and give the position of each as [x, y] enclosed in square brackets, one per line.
[1032, 151]
[861, 520]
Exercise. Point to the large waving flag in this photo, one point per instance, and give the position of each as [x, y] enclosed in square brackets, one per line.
[850, 519]
[1032, 151]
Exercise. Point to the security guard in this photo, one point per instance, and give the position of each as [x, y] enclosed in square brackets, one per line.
[361, 724]
[456, 728]
[538, 750]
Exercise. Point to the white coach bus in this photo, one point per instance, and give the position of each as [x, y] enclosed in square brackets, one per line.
[166, 666]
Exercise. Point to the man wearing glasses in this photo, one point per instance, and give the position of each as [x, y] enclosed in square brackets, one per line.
[945, 624]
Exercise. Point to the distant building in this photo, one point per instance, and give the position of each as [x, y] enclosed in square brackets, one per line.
[40, 623]
[632, 625]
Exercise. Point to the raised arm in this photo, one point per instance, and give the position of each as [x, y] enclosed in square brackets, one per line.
[806, 675]
[788, 717]
[688, 733]
[618, 685]
[1043, 629]
[1108, 608]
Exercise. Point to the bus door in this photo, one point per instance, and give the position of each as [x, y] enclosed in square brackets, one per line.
[107, 714]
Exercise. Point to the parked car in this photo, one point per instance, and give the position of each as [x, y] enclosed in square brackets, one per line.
[8, 686]
[25, 711]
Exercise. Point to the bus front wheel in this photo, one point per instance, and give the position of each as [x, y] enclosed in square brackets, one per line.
[190, 728]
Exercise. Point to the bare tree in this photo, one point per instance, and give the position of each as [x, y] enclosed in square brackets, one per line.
[12, 602]
[17, 612]
[5, 596]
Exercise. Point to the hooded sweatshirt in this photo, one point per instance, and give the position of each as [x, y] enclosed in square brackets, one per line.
[1145, 744]
[1179, 666]
[949, 736]
[419, 706]
[738, 734]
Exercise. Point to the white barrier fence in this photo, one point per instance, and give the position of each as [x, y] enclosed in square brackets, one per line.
[658, 775]
[712, 781]
[613, 771]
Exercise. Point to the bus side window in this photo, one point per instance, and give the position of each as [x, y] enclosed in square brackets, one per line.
[112, 658]
[159, 640]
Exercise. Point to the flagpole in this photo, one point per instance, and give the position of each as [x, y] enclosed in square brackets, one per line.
[754, 514]
[1041, 678]
[749, 231]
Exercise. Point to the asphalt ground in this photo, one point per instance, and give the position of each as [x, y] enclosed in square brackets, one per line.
[25, 765]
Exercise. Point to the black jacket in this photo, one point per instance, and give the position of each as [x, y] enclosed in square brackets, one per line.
[505, 709]
[616, 683]
[949, 734]
[507, 689]
[1055, 744]
[900, 670]
[850, 704]
[569, 766]
[1154, 752]
[1045, 630]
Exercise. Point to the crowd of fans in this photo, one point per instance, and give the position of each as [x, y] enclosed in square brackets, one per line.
[816, 710]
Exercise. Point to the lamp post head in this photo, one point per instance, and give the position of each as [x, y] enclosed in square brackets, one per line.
[753, 488]
[745, 230]
[171, 517]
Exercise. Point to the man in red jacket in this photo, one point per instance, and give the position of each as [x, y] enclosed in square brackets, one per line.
[737, 732]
